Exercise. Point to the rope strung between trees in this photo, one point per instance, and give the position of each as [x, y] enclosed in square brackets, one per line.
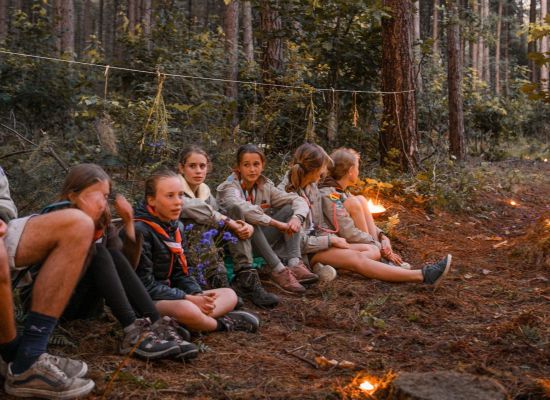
[107, 68]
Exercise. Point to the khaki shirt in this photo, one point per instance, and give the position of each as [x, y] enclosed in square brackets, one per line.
[202, 208]
[267, 196]
[7, 206]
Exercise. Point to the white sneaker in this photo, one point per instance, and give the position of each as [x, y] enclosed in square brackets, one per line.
[326, 273]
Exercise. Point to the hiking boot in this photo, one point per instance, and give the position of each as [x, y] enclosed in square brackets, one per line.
[150, 346]
[434, 273]
[286, 281]
[248, 286]
[218, 278]
[240, 321]
[325, 272]
[169, 329]
[46, 380]
[303, 274]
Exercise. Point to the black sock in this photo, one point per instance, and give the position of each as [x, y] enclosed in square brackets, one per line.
[34, 340]
[221, 326]
[9, 350]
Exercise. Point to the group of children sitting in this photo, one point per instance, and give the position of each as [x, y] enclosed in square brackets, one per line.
[71, 258]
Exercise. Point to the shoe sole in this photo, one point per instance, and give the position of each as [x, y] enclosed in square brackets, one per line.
[273, 283]
[308, 281]
[445, 271]
[48, 394]
[188, 355]
[145, 355]
[82, 372]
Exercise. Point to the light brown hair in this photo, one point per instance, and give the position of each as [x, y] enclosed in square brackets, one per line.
[343, 159]
[153, 179]
[307, 158]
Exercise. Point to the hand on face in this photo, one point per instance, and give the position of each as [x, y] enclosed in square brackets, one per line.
[123, 208]
[92, 200]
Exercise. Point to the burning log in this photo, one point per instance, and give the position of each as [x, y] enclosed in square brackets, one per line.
[444, 385]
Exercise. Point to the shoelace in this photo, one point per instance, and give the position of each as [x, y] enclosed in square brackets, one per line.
[54, 368]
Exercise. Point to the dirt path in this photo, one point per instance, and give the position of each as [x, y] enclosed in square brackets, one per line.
[491, 318]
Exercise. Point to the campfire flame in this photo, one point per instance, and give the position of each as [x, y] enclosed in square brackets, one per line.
[367, 386]
[513, 203]
[375, 208]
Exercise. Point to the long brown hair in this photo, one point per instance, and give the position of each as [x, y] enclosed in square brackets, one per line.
[249, 148]
[307, 158]
[343, 158]
[193, 149]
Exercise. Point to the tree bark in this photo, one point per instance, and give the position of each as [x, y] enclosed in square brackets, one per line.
[100, 34]
[486, 54]
[64, 27]
[532, 46]
[132, 14]
[147, 21]
[231, 28]
[399, 125]
[416, 42]
[435, 28]
[272, 43]
[506, 56]
[248, 41]
[454, 79]
[3, 20]
[497, 47]
[544, 45]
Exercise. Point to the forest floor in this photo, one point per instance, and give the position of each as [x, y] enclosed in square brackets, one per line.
[490, 317]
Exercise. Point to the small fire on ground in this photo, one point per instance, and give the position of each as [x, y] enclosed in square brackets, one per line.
[375, 208]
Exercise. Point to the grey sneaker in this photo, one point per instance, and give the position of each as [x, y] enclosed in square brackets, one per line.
[72, 368]
[168, 329]
[326, 272]
[45, 380]
[240, 321]
[434, 273]
[150, 346]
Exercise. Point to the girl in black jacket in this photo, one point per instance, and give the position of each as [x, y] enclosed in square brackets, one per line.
[163, 269]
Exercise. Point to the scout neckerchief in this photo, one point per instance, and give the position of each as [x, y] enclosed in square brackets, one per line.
[175, 246]
[312, 225]
[249, 195]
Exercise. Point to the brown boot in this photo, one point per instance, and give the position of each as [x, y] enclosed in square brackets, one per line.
[303, 274]
[286, 281]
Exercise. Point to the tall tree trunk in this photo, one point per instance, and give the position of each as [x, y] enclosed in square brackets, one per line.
[481, 42]
[486, 55]
[544, 45]
[3, 20]
[416, 42]
[435, 29]
[133, 15]
[64, 27]
[532, 46]
[454, 79]
[231, 28]
[100, 34]
[248, 41]
[272, 44]
[474, 43]
[399, 125]
[147, 21]
[497, 47]
[506, 46]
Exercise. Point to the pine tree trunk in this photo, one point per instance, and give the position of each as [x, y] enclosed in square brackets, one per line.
[147, 18]
[416, 41]
[486, 55]
[3, 20]
[248, 41]
[506, 55]
[100, 34]
[454, 78]
[64, 27]
[435, 29]
[532, 46]
[497, 47]
[132, 14]
[544, 45]
[272, 43]
[399, 125]
[231, 28]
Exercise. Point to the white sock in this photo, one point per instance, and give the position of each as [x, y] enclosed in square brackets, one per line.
[293, 261]
[278, 268]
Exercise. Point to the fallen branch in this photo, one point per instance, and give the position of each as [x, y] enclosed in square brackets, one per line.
[301, 358]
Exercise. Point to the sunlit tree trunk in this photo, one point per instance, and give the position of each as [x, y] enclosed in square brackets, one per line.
[435, 29]
[544, 45]
[248, 41]
[454, 79]
[416, 41]
[532, 46]
[497, 47]
[231, 28]
[398, 134]
[486, 55]
[64, 27]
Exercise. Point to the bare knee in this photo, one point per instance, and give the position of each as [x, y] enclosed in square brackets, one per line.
[374, 252]
[75, 225]
[352, 204]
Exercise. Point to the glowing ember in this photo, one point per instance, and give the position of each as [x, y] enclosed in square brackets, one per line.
[366, 386]
[513, 203]
[546, 160]
[375, 208]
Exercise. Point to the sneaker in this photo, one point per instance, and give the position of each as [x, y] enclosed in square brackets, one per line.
[286, 281]
[325, 272]
[150, 346]
[403, 265]
[71, 368]
[169, 329]
[240, 321]
[434, 273]
[46, 380]
[303, 274]
[248, 286]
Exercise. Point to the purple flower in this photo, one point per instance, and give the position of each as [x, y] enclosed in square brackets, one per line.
[228, 237]
[221, 223]
[188, 227]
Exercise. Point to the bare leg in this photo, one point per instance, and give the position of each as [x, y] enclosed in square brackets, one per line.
[355, 210]
[60, 240]
[7, 317]
[370, 250]
[359, 262]
[368, 216]
[192, 317]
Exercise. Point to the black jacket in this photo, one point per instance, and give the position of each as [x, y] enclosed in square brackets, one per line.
[161, 273]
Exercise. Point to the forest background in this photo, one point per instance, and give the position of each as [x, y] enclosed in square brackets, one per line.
[470, 79]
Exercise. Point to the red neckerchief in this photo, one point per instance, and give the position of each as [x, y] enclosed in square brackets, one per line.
[174, 246]
[249, 195]
[98, 234]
